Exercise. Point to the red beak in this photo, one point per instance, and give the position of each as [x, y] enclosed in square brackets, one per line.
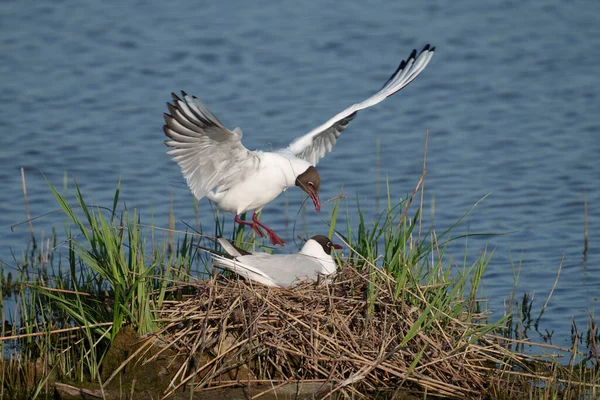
[337, 246]
[315, 199]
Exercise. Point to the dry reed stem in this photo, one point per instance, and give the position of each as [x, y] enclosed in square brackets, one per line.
[412, 196]
[26, 201]
[562, 259]
[423, 173]
[585, 225]
[54, 332]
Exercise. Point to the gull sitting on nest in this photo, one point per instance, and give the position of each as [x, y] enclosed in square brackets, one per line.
[279, 270]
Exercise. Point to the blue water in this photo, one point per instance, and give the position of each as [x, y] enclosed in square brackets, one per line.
[511, 100]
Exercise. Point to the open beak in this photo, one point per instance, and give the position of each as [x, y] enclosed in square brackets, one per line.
[315, 198]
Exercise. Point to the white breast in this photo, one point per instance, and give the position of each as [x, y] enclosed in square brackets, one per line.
[274, 173]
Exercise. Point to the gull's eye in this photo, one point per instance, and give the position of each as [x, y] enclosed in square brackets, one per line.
[328, 244]
[311, 184]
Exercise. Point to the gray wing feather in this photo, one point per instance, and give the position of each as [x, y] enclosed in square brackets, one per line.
[318, 142]
[208, 154]
[283, 269]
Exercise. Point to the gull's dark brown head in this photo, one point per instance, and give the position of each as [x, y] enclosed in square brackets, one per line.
[325, 243]
[310, 182]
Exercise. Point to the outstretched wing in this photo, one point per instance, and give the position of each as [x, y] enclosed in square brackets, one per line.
[208, 154]
[318, 142]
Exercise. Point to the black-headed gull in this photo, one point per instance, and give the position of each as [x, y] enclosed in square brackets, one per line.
[216, 164]
[279, 270]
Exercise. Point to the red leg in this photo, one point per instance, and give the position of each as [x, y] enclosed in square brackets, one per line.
[274, 238]
[253, 225]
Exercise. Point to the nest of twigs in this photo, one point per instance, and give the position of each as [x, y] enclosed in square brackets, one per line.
[235, 332]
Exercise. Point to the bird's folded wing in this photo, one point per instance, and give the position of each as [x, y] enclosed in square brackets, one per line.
[318, 142]
[209, 154]
[283, 269]
[249, 270]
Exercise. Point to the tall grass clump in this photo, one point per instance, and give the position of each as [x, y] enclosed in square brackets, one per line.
[73, 295]
[418, 264]
[112, 264]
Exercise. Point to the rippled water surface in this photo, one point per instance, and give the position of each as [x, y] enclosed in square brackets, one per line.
[511, 100]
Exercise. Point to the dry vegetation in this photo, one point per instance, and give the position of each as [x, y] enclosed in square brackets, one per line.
[234, 333]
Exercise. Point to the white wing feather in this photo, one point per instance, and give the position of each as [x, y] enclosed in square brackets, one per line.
[208, 154]
[318, 142]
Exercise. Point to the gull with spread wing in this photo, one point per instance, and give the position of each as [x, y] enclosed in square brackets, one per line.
[216, 164]
[279, 270]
